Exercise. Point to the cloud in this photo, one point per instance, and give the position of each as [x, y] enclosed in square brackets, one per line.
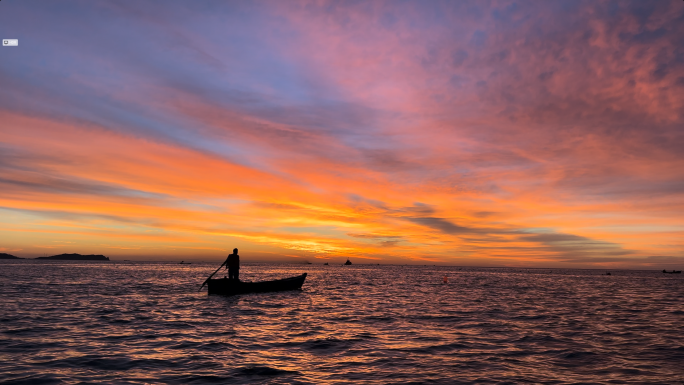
[442, 225]
[374, 236]
[578, 249]
[381, 240]
[441, 130]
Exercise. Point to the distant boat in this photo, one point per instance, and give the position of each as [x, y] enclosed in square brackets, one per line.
[672, 272]
[185, 263]
[348, 262]
[225, 286]
[326, 264]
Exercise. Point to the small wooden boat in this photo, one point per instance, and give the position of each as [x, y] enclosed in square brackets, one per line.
[225, 286]
[672, 272]
[348, 262]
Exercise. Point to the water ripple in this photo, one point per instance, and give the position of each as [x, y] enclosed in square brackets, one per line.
[135, 323]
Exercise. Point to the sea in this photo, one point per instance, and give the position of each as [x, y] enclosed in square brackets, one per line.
[119, 322]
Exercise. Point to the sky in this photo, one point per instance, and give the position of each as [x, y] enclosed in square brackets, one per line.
[484, 133]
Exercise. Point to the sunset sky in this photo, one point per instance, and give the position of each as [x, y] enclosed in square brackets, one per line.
[489, 133]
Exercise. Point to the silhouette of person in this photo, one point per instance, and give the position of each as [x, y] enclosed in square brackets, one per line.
[233, 265]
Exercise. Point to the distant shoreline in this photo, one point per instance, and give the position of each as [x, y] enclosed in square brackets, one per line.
[76, 257]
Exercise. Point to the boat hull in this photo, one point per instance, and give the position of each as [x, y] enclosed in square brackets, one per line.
[225, 286]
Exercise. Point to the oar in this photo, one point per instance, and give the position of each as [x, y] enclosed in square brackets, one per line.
[212, 274]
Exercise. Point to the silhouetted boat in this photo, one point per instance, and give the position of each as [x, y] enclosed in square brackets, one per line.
[348, 262]
[225, 286]
[185, 263]
[326, 264]
[672, 272]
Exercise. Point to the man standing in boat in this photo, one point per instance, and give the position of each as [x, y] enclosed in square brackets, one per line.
[233, 265]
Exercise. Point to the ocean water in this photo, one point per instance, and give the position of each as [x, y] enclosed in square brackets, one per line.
[127, 322]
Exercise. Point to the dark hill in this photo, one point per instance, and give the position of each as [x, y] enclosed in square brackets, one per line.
[76, 257]
[8, 256]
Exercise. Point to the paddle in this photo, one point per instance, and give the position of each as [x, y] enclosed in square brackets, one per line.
[212, 274]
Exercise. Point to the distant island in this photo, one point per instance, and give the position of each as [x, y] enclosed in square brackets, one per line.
[76, 257]
[8, 256]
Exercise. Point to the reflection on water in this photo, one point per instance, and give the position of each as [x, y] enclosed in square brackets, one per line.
[146, 323]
